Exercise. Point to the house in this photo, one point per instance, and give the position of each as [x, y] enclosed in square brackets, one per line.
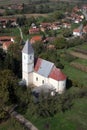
[78, 20]
[77, 32]
[84, 7]
[42, 72]
[85, 29]
[45, 26]
[6, 41]
[66, 25]
[34, 30]
[6, 45]
[55, 27]
[49, 39]
[4, 21]
[42, 29]
[76, 9]
[35, 39]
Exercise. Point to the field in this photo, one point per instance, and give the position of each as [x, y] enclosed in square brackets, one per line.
[81, 61]
[75, 74]
[7, 2]
[71, 72]
[11, 124]
[74, 119]
[83, 47]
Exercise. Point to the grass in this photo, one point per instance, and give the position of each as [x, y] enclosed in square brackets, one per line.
[81, 61]
[83, 47]
[10, 32]
[74, 73]
[11, 124]
[74, 119]
[14, 32]
[7, 2]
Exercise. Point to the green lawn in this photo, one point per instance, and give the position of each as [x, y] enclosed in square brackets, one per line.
[83, 47]
[11, 124]
[74, 73]
[15, 32]
[81, 61]
[74, 119]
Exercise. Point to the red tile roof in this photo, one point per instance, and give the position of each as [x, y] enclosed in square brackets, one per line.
[34, 30]
[6, 38]
[38, 64]
[6, 19]
[57, 74]
[45, 24]
[7, 44]
[36, 38]
[77, 30]
[54, 73]
[85, 29]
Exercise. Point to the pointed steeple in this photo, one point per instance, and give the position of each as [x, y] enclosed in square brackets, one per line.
[27, 48]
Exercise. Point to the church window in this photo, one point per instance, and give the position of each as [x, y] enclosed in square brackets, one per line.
[42, 81]
[36, 78]
[30, 57]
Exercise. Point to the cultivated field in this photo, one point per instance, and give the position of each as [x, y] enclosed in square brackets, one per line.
[7, 2]
[78, 54]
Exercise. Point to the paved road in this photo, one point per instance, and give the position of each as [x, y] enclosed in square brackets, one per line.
[21, 34]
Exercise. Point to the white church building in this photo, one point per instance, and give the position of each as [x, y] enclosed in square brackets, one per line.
[43, 72]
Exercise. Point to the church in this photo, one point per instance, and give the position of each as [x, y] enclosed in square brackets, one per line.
[42, 72]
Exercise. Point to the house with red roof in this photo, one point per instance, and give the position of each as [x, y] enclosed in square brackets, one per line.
[77, 32]
[35, 39]
[34, 30]
[6, 41]
[41, 72]
[6, 45]
[66, 25]
[4, 21]
[85, 29]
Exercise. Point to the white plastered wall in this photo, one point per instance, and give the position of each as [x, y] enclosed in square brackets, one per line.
[28, 77]
[38, 79]
[59, 85]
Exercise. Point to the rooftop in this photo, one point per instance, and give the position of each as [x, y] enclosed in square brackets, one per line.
[28, 48]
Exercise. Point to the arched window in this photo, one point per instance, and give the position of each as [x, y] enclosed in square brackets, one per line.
[42, 81]
[30, 57]
[36, 78]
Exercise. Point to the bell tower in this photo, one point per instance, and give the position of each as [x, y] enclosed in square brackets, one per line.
[27, 63]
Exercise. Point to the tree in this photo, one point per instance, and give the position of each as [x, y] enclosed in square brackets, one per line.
[38, 48]
[13, 58]
[60, 43]
[67, 33]
[21, 20]
[2, 57]
[8, 84]
[58, 15]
